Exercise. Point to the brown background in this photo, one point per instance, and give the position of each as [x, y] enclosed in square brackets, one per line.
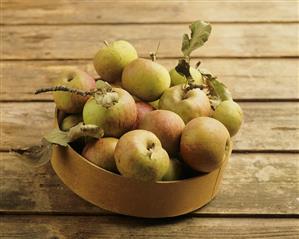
[253, 49]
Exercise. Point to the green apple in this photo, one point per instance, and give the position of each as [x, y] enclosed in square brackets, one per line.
[115, 112]
[177, 79]
[101, 153]
[230, 114]
[110, 60]
[70, 121]
[139, 154]
[188, 104]
[167, 126]
[205, 143]
[176, 171]
[155, 103]
[71, 102]
[146, 79]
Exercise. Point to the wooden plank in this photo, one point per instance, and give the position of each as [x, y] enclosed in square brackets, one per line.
[266, 125]
[260, 184]
[36, 227]
[248, 79]
[66, 11]
[82, 42]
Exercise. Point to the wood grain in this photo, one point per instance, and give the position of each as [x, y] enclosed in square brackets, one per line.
[120, 12]
[267, 126]
[82, 42]
[259, 184]
[112, 227]
[248, 79]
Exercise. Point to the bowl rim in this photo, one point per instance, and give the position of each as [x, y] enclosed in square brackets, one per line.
[160, 182]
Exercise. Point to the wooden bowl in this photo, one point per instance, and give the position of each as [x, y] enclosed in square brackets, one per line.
[132, 197]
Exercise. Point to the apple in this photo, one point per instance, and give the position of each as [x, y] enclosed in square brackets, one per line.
[176, 171]
[205, 143]
[139, 154]
[70, 121]
[114, 111]
[71, 102]
[142, 109]
[188, 104]
[177, 79]
[110, 60]
[167, 126]
[146, 79]
[101, 153]
[230, 114]
[155, 104]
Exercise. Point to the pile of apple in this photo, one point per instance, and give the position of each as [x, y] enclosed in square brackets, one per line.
[157, 124]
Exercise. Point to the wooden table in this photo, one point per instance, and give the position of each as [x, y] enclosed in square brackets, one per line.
[253, 49]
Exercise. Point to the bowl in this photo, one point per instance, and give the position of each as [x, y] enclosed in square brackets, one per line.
[129, 196]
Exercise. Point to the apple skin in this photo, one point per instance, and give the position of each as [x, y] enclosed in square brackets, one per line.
[177, 79]
[110, 60]
[145, 79]
[70, 121]
[101, 153]
[115, 120]
[188, 105]
[155, 104]
[205, 143]
[142, 109]
[230, 114]
[167, 126]
[139, 154]
[176, 171]
[70, 102]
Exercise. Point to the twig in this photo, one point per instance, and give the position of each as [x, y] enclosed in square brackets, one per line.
[64, 88]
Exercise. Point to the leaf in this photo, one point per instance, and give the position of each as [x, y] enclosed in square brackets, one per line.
[200, 32]
[218, 89]
[183, 68]
[36, 155]
[62, 138]
[81, 130]
[56, 136]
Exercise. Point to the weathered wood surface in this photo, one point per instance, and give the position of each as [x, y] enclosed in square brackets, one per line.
[41, 38]
[253, 184]
[248, 79]
[267, 126]
[120, 12]
[111, 227]
[82, 42]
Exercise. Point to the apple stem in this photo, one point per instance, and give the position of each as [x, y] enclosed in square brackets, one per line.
[63, 88]
[106, 43]
[153, 55]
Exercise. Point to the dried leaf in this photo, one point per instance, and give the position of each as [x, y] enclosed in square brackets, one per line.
[56, 136]
[81, 130]
[36, 155]
[218, 89]
[183, 68]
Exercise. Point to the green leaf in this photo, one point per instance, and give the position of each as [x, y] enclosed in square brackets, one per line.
[200, 32]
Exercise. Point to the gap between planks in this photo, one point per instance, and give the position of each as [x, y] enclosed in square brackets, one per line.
[146, 23]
